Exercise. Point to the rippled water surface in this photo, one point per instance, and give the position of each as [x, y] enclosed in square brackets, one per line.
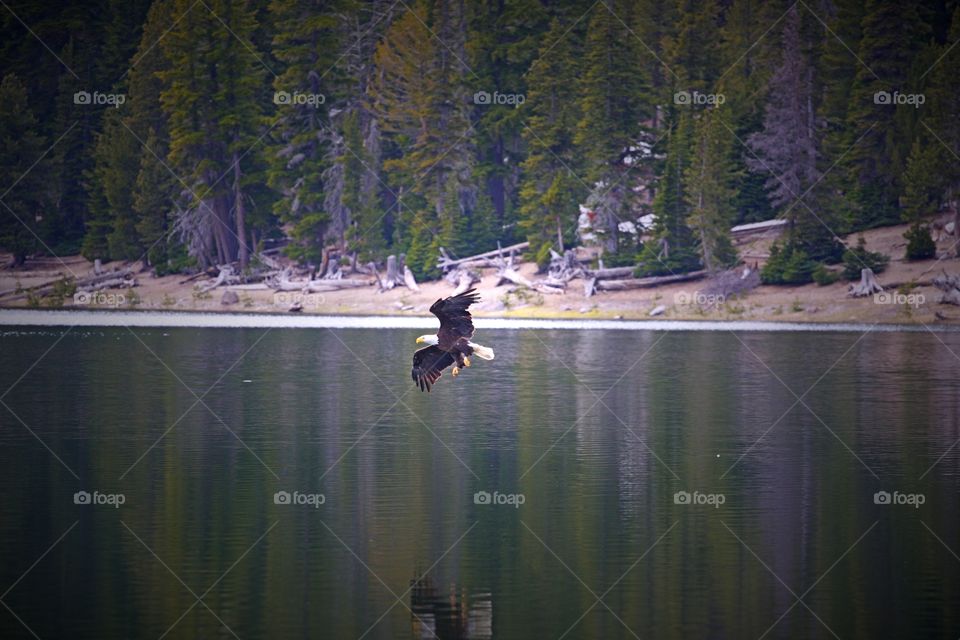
[631, 483]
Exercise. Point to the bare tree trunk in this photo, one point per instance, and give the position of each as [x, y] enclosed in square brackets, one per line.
[242, 254]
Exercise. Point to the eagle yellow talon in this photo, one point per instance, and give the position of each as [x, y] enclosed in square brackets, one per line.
[466, 361]
[455, 372]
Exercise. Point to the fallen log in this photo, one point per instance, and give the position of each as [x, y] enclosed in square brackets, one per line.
[256, 286]
[113, 283]
[323, 286]
[643, 283]
[611, 273]
[83, 284]
[446, 262]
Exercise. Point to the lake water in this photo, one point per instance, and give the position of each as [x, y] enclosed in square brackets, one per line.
[269, 482]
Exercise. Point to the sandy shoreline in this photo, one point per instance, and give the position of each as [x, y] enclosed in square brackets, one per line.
[231, 320]
[807, 304]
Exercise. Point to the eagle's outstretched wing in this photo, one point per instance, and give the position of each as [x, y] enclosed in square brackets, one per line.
[428, 365]
[455, 321]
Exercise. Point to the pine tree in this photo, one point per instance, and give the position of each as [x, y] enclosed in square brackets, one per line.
[786, 149]
[549, 190]
[944, 110]
[63, 226]
[152, 203]
[710, 194]
[27, 196]
[305, 44]
[893, 35]
[924, 181]
[749, 54]
[614, 101]
[503, 41]
[673, 246]
[421, 99]
[110, 224]
[366, 231]
[155, 187]
[214, 100]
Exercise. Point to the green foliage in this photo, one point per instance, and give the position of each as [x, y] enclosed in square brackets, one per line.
[787, 265]
[397, 157]
[551, 191]
[924, 183]
[28, 195]
[858, 258]
[892, 36]
[823, 275]
[920, 244]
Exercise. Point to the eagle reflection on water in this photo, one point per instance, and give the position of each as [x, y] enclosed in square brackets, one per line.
[449, 616]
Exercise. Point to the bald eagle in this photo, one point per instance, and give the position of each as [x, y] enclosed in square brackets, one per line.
[452, 343]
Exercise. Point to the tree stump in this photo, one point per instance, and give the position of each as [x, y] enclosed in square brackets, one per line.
[867, 286]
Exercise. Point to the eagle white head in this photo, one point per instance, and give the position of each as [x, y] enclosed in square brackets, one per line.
[430, 339]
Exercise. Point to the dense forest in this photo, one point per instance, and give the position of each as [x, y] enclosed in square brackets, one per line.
[191, 133]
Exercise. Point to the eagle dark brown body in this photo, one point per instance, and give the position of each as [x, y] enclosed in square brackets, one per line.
[452, 343]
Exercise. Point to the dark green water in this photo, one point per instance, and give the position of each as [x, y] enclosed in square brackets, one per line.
[598, 430]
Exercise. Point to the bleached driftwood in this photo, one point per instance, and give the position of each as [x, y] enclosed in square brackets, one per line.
[507, 273]
[226, 276]
[284, 282]
[950, 286]
[409, 280]
[642, 283]
[445, 262]
[104, 280]
[867, 286]
[398, 274]
[463, 278]
[612, 273]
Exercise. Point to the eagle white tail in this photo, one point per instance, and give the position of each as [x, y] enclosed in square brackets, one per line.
[481, 351]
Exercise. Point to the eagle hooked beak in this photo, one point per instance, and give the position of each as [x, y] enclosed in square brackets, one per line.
[420, 340]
